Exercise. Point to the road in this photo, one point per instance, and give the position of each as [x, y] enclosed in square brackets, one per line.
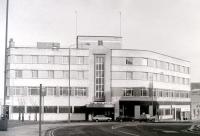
[126, 129]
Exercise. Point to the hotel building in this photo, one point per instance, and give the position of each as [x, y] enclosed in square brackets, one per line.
[102, 78]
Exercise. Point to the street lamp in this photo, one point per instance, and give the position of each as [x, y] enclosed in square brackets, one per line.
[151, 90]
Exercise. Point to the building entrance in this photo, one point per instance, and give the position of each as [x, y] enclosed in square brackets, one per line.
[136, 108]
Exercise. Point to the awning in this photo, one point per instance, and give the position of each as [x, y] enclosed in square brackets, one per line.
[100, 105]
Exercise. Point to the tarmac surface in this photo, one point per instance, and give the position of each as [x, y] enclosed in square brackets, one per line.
[30, 128]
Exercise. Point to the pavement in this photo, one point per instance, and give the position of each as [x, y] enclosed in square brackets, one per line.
[30, 128]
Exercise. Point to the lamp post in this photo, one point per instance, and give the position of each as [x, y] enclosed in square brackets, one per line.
[151, 90]
[69, 87]
[5, 63]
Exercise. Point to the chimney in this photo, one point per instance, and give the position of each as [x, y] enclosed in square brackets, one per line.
[11, 43]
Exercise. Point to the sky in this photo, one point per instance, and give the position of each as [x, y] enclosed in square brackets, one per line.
[170, 27]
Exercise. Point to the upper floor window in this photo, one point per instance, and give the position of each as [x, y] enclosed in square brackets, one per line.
[18, 59]
[140, 61]
[151, 62]
[27, 59]
[42, 59]
[18, 74]
[129, 75]
[129, 61]
[100, 42]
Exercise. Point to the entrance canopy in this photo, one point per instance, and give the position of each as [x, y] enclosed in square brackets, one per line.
[100, 105]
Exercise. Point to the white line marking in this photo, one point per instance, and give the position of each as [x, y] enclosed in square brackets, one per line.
[128, 133]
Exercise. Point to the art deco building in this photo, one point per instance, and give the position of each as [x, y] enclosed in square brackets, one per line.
[103, 77]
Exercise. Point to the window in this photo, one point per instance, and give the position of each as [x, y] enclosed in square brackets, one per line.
[43, 74]
[177, 68]
[86, 60]
[171, 66]
[51, 74]
[34, 74]
[129, 61]
[65, 109]
[80, 75]
[58, 74]
[182, 69]
[18, 109]
[58, 59]
[171, 79]
[151, 63]
[34, 59]
[99, 76]
[140, 75]
[162, 64]
[80, 60]
[27, 74]
[64, 91]
[119, 75]
[27, 59]
[42, 59]
[50, 109]
[118, 61]
[51, 91]
[65, 60]
[85, 74]
[18, 74]
[32, 109]
[140, 61]
[50, 59]
[33, 91]
[66, 74]
[79, 109]
[129, 75]
[18, 59]
[100, 42]
[74, 75]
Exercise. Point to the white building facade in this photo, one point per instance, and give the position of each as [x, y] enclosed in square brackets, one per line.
[104, 79]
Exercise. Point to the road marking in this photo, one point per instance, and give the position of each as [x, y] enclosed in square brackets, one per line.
[128, 133]
[169, 131]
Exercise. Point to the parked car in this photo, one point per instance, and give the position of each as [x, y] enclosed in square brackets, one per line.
[101, 118]
[145, 118]
[124, 118]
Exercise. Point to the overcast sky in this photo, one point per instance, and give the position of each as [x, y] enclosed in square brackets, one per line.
[171, 27]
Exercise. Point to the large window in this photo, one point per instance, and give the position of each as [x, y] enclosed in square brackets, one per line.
[99, 76]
